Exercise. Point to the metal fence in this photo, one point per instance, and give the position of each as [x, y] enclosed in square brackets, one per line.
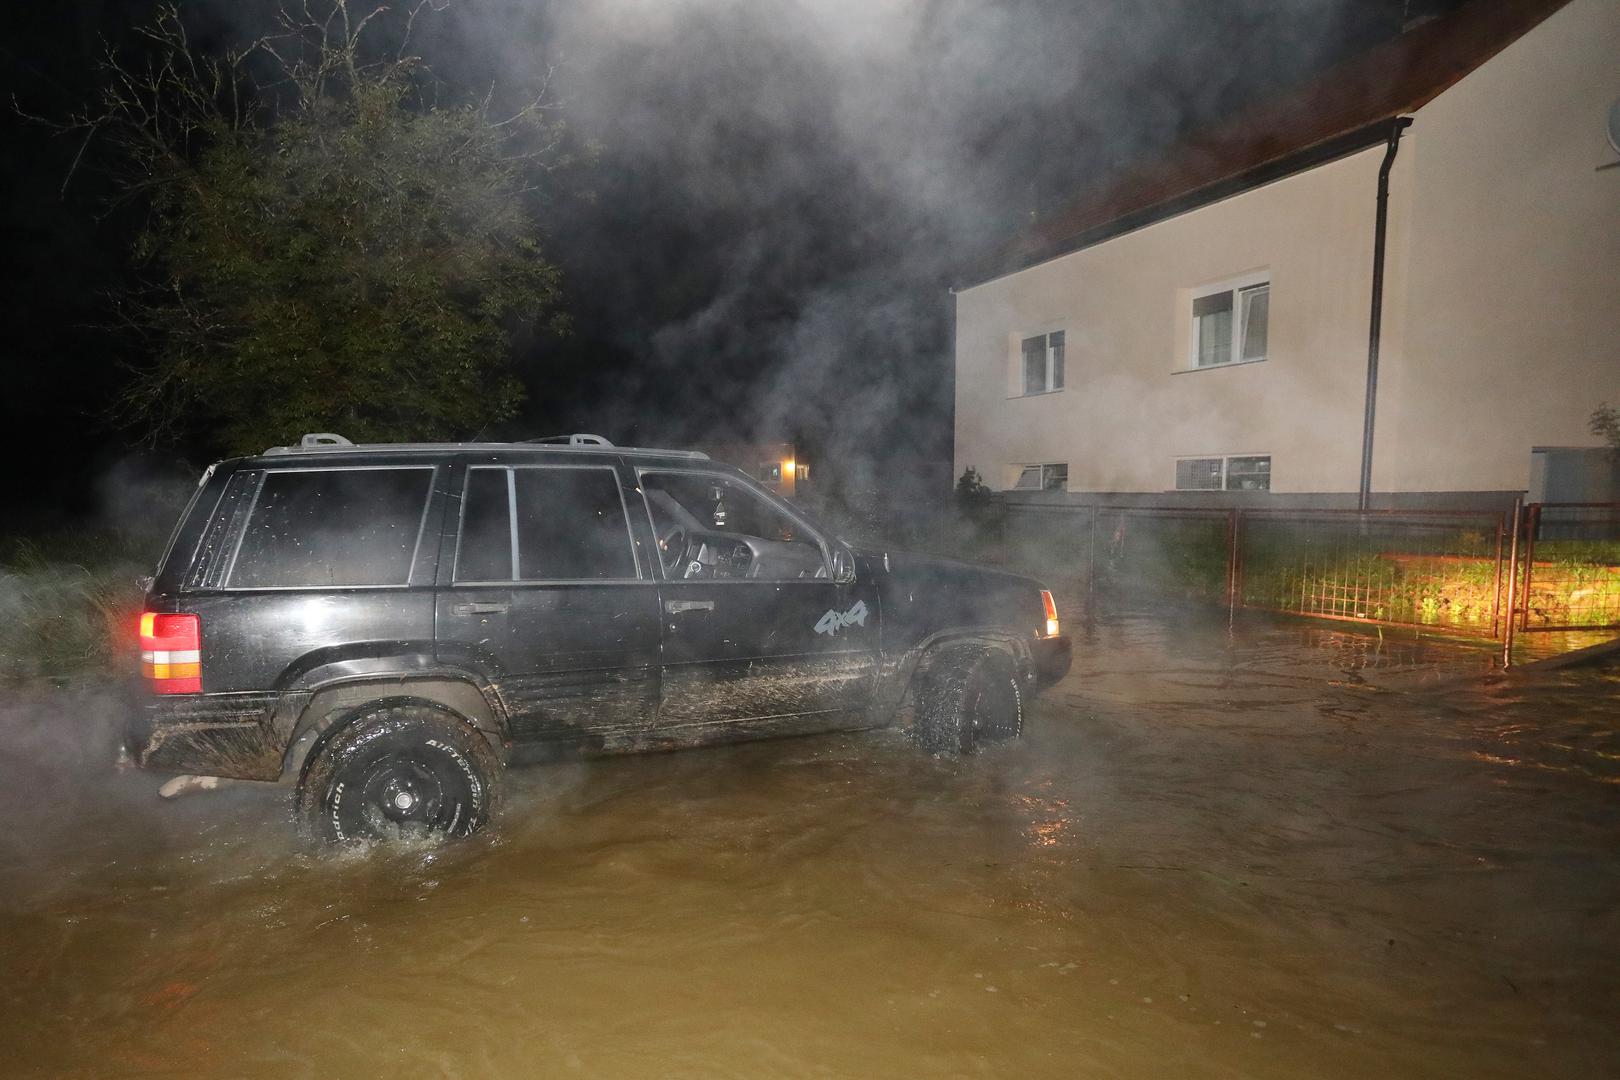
[1571, 567]
[1185, 553]
[1479, 573]
[1401, 568]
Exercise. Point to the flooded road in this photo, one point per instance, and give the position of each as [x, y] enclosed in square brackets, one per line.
[1282, 853]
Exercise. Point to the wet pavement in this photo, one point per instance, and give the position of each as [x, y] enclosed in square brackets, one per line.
[1280, 852]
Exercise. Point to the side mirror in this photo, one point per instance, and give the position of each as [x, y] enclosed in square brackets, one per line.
[843, 565]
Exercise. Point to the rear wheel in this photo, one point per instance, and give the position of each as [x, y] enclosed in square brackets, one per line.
[967, 696]
[403, 772]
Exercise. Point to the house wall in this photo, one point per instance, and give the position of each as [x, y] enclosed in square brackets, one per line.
[1511, 329]
[1501, 320]
[1131, 406]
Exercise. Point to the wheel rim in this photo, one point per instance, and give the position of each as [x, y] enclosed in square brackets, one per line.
[997, 707]
[416, 792]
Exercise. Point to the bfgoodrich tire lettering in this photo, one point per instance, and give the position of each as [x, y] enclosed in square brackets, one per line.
[401, 772]
[967, 695]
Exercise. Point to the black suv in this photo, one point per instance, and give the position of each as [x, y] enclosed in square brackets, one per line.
[391, 624]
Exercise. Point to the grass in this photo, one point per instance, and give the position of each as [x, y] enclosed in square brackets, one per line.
[1425, 577]
[68, 604]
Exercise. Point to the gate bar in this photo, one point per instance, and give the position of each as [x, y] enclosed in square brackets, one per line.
[1513, 582]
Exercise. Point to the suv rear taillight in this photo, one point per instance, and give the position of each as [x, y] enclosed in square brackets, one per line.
[1051, 613]
[171, 652]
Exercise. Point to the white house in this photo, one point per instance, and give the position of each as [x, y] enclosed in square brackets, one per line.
[1207, 321]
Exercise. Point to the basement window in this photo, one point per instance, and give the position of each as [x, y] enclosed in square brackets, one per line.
[1230, 323]
[1043, 363]
[1043, 478]
[1250, 472]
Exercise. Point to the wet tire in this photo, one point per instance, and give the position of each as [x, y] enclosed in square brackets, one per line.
[967, 696]
[402, 773]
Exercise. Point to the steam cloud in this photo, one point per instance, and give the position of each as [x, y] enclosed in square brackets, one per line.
[786, 190]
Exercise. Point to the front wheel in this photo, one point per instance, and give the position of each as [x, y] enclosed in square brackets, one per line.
[967, 695]
[403, 772]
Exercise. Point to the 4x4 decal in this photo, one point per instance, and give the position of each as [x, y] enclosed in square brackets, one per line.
[834, 620]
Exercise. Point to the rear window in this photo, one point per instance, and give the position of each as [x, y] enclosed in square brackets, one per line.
[570, 526]
[329, 527]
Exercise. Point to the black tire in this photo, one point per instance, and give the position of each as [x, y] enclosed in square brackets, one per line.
[967, 696]
[402, 772]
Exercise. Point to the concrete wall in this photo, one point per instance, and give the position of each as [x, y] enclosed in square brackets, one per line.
[1502, 305]
[1131, 405]
[1511, 318]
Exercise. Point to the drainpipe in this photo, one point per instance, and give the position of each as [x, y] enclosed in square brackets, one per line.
[1375, 329]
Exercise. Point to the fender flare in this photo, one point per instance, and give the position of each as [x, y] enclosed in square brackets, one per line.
[330, 707]
[902, 670]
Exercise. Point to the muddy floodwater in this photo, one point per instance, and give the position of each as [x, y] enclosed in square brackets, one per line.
[1284, 852]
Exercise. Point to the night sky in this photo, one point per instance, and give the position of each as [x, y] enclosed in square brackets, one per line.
[781, 196]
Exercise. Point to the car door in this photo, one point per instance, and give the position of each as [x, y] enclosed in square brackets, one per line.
[758, 636]
[545, 590]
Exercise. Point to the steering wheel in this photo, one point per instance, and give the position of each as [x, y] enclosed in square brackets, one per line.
[672, 547]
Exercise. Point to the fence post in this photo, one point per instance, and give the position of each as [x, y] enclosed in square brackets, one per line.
[1091, 567]
[1233, 519]
[1513, 583]
[1532, 529]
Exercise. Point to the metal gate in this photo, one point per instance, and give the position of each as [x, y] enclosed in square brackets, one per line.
[1552, 566]
[1571, 568]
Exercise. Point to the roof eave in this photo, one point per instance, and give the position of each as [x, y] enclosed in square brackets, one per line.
[1298, 161]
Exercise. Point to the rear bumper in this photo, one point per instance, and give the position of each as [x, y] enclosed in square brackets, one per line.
[233, 735]
[1052, 658]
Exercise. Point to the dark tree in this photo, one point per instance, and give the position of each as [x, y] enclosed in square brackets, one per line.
[1605, 424]
[326, 243]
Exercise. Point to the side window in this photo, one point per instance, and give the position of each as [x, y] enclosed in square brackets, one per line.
[711, 526]
[570, 525]
[485, 550]
[332, 527]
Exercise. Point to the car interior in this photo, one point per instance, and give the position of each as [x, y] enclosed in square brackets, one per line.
[709, 527]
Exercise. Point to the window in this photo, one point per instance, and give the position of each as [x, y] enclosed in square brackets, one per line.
[332, 527]
[484, 552]
[1250, 473]
[545, 523]
[1043, 363]
[715, 504]
[1200, 474]
[700, 514]
[571, 526]
[1043, 478]
[1229, 324]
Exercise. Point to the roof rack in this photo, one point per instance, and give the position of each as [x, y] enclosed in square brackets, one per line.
[326, 442]
[579, 438]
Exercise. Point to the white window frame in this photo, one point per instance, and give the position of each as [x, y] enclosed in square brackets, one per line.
[1237, 286]
[1043, 466]
[1019, 389]
[1226, 465]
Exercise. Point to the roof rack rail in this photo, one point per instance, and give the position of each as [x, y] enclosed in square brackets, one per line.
[313, 440]
[326, 442]
[578, 438]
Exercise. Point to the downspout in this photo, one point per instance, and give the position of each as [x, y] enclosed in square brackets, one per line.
[1376, 326]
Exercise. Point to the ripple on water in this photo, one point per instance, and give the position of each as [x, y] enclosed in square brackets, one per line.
[1203, 838]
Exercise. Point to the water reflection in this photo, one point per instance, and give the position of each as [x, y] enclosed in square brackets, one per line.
[1213, 855]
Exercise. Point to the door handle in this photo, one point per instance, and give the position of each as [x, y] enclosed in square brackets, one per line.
[675, 607]
[479, 608]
